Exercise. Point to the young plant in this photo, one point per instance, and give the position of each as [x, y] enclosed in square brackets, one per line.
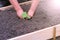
[25, 15]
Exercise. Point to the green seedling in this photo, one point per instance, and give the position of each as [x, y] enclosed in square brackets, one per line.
[25, 15]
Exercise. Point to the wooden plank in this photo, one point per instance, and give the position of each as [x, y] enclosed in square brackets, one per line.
[43, 34]
[10, 6]
[54, 33]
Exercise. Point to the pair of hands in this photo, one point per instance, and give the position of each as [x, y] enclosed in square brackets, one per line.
[19, 10]
[31, 11]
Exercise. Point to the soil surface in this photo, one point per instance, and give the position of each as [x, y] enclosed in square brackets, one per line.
[45, 16]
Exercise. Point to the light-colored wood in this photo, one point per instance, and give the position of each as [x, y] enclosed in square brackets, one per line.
[54, 33]
[43, 34]
[10, 6]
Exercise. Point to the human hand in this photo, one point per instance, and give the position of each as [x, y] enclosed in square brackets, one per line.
[19, 13]
[31, 13]
[33, 7]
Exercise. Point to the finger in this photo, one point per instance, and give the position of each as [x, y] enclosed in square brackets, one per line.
[30, 13]
[19, 14]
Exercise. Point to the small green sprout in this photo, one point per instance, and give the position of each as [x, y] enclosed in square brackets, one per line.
[25, 15]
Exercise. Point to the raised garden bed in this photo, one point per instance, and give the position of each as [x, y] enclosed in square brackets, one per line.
[11, 26]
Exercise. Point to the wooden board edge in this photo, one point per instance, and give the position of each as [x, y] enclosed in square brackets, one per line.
[43, 34]
[10, 6]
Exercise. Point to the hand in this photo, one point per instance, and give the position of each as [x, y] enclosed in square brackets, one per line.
[17, 7]
[33, 7]
[31, 13]
[19, 13]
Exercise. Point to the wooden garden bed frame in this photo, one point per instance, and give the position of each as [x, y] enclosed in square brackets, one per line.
[42, 34]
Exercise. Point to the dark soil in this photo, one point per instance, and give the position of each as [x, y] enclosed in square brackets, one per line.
[11, 26]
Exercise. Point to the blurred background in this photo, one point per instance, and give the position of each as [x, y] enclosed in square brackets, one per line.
[6, 2]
